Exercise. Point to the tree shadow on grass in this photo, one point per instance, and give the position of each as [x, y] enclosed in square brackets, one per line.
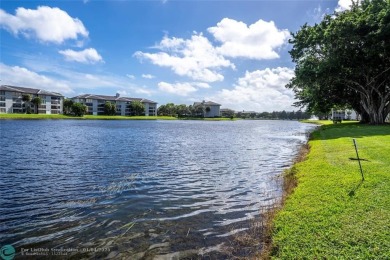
[352, 130]
[353, 191]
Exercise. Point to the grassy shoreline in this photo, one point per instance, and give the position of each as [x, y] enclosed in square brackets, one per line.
[332, 213]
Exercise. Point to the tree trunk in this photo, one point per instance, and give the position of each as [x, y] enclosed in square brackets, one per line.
[375, 112]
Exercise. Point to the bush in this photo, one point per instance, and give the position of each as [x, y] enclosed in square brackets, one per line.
[79, 109]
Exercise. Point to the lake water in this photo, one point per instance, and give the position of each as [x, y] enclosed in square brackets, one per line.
[137, 189]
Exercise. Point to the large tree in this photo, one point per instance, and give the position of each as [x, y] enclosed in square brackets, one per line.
[345, 61]
[37, 101]
[137, 108]
[79, 109]
[68, 103]
[109, 109]
[27, 99]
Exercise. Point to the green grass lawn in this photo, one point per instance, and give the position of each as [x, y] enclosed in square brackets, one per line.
[333, 213]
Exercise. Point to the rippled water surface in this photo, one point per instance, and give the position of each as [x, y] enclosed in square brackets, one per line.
[138, 189]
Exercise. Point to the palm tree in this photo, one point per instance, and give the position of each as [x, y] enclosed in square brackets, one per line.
[26, 99]
[208, 109]
[36, 101]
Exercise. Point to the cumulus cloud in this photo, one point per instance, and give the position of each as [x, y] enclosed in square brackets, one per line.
[260, 90]
[44, 23]
[343, 5]
[182, 88]
[85, 56]
[130, 92]
[195, 58]
[19, 76]
[130, 76]
[147, 76]
[257, 41]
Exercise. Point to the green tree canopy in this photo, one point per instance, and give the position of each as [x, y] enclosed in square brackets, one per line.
[137, 108]
[79, 109]
[109, 108]
[68, 103]
[37, 101]
[344, 61]
[27, 99]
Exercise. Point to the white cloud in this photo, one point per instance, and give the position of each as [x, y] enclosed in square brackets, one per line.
[343, 5]
[260, 90]
[130, 76]
[181, 89]
[128, 92]
[45, 23]
[318, 14]
[256, 41]
[23, 77]
[195, 58]
[147, 76]
[143, 91]
[201, 85]
[85, 56]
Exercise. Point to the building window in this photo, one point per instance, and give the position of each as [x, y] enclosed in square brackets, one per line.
[15, 94]
[2, 104]
[2, 93]
[2, 110]
[2, 98]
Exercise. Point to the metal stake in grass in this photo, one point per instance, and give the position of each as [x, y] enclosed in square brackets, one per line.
[357, 154]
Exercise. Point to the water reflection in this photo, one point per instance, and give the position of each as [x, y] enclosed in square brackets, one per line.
[139, 188]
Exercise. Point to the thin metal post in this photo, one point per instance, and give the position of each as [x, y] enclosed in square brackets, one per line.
[357, 154]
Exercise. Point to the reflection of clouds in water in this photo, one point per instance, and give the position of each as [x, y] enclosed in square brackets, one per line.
[165, 177]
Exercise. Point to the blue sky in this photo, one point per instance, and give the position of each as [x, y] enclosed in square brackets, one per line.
[231, 52]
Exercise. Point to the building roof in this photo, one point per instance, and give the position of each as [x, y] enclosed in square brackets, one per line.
[114, 98]
[33, 91]
[206, 103]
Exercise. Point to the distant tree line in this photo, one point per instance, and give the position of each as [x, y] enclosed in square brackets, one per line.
[282, 115]
[182, 110]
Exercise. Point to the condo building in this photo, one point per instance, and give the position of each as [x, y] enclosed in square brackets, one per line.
[12, 100]
[95, 104]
